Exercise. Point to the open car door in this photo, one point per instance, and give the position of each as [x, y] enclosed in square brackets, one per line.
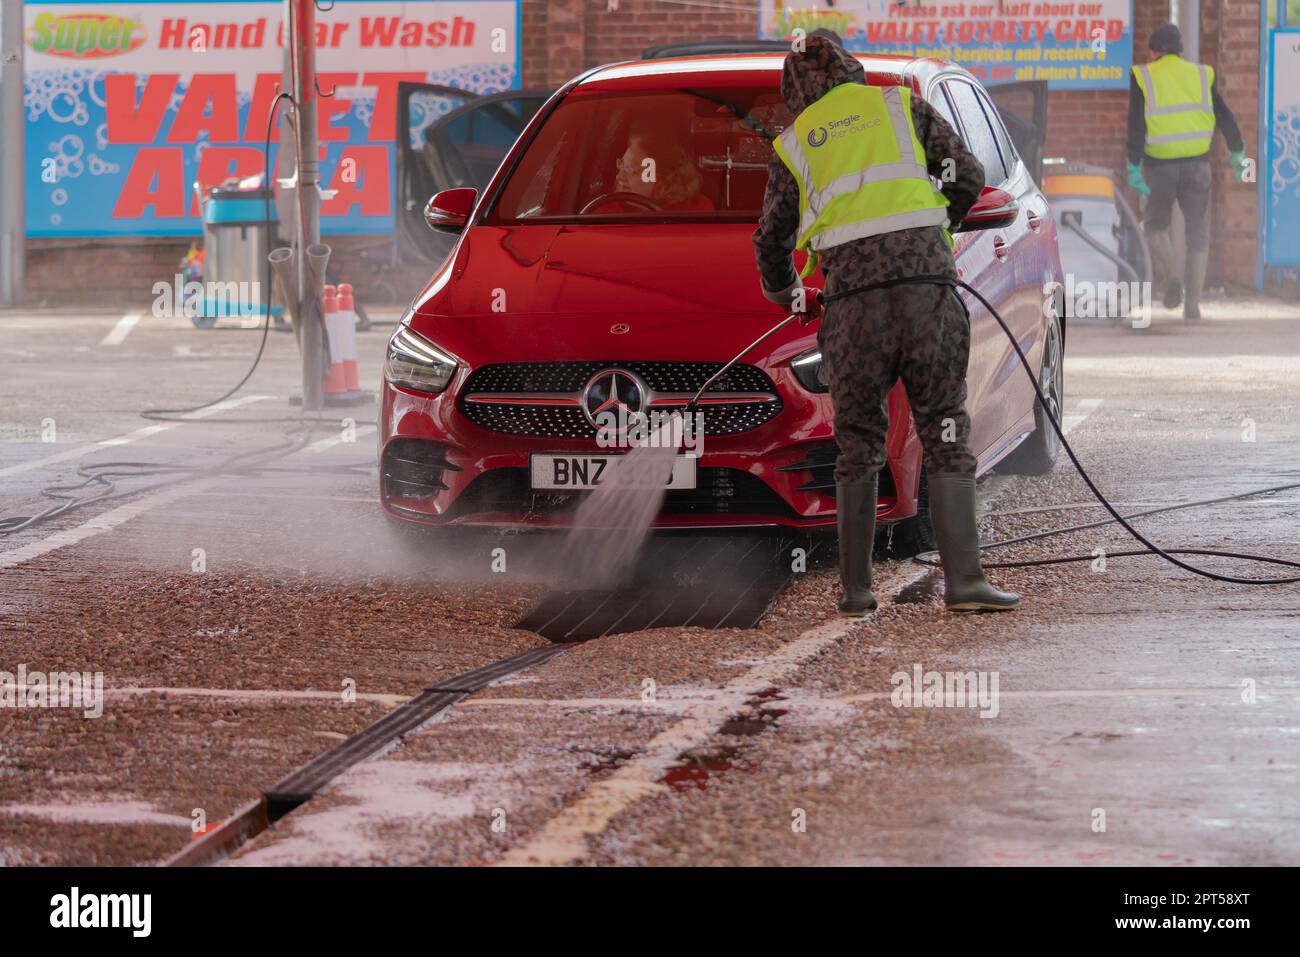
[450, 138]
[1023, 107]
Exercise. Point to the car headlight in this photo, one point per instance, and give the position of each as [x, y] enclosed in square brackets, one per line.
[810, 371]
[413, 362]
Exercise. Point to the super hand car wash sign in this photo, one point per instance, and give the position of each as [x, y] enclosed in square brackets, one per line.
[1071, 44]
[130, 103]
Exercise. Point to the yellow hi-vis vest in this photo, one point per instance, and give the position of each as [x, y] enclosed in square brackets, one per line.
[1179, 110]
[860, 168]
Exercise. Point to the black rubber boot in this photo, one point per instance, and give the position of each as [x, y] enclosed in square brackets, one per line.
[1197, 260]
[855, 508]
[952, 512]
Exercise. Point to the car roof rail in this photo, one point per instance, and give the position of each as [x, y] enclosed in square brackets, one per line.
[714, 47]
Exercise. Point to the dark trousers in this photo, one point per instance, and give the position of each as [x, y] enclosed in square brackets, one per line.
[919, 334]
[1188, 183]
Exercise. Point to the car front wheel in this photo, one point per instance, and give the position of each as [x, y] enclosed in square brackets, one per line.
[1037, 454]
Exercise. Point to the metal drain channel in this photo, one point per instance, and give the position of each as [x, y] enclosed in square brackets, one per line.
[302, 785]
[715, 582]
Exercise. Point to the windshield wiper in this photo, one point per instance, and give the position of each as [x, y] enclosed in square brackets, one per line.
[744, 117]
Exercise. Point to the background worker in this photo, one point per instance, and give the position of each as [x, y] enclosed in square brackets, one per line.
[863, 201]
[1173, 109]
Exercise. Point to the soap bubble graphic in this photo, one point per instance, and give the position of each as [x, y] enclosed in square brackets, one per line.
[1286, 145]
[101, 136]
[69, 146]
[98, 166]
[59, 196]
[58, 95]
[474, 77]
[363, 108]
[66, 153]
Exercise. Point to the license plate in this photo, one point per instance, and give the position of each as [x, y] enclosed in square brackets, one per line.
[588, 471]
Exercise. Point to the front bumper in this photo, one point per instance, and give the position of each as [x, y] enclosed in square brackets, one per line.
[437, 467]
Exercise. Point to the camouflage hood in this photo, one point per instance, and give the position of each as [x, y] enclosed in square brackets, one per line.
[808, 76]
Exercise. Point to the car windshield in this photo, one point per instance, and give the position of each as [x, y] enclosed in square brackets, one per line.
[686, 155]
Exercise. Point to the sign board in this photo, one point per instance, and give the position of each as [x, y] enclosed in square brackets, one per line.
[130, 103]
[1073, 45]
[1282, 172]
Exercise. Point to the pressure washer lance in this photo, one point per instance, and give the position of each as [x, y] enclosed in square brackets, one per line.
[612, 524]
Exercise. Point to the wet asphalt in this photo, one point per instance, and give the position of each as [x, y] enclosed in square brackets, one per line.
[244, 624]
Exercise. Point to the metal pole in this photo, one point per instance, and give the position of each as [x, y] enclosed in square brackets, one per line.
[286, 160]
[1189, 25]
[304, 51]
[13, 238]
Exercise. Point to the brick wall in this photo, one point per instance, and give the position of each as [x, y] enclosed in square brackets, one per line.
[1090, 126]
[563, 37]
[1230, 44]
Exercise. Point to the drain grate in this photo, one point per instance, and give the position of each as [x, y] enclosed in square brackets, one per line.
[303, 784]
[704, 582]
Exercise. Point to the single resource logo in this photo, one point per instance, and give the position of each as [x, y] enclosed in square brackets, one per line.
[816, 137]
[83, 36]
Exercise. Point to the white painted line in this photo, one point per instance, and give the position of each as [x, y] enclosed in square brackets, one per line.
[1233, 691]
[295, 496]
[128, 437]
[564, 838]
[117, 335]
[320, 445]
[1085, 408]
[100, 523]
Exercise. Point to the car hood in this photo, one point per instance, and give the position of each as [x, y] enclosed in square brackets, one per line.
[687, 291]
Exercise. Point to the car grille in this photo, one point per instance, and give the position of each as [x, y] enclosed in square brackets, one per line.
[719, 491]
[572, 376]
[543, 398]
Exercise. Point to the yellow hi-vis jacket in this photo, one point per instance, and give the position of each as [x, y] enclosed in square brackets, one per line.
[860, 168]
[1179, 110]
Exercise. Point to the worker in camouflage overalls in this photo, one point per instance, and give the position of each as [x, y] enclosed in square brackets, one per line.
[850, 180]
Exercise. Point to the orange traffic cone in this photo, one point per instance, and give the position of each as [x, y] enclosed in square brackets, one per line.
[335, 379]
[348, 335]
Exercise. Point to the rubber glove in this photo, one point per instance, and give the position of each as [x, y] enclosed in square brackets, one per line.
[1137, 181]
[1239, 164]
[812, 305]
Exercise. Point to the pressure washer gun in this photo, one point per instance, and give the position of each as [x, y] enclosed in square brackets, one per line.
[691, 406]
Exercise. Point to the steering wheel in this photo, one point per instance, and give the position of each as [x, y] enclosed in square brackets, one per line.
[623, 196]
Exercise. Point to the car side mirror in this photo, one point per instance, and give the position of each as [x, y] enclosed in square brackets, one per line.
[995, 207]
[448, 211]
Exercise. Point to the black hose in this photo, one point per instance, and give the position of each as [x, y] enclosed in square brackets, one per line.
[163, 415]
[1150, 547]
[1113, 257]
[104, 473]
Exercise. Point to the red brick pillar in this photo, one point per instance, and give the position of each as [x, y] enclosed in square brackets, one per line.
[1230, 44]
[566, 35]
[554, 41]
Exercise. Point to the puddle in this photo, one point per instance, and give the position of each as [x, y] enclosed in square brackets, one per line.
[700, 765]
[920, 592]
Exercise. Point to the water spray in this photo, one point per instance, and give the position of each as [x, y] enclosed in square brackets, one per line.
[612, 524]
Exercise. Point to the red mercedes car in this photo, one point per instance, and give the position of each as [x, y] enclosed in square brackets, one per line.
[571, 284]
